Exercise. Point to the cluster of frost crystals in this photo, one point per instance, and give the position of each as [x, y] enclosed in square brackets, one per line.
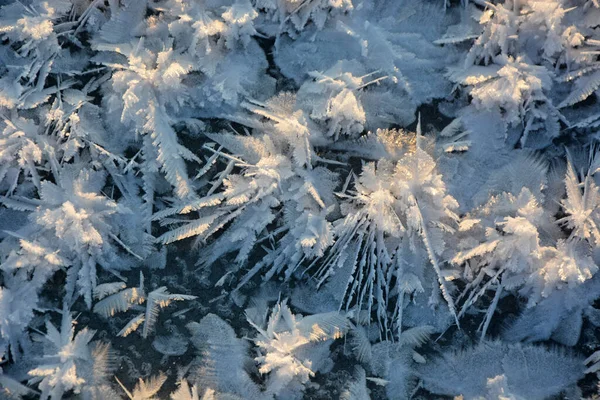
[71, 363]
[512, 243]
[17, 301]
[32, 30]
[494, 370]
[278, 169]
[370, 43]
[339, 106]
[518, 61]
[239, 19]
[398, 210]
[508, 243]
[518, 90]
[293, 16]
[293, 348]
[169, 161]
[73, 220]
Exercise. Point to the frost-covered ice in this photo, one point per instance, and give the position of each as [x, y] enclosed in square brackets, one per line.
[287, 199]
